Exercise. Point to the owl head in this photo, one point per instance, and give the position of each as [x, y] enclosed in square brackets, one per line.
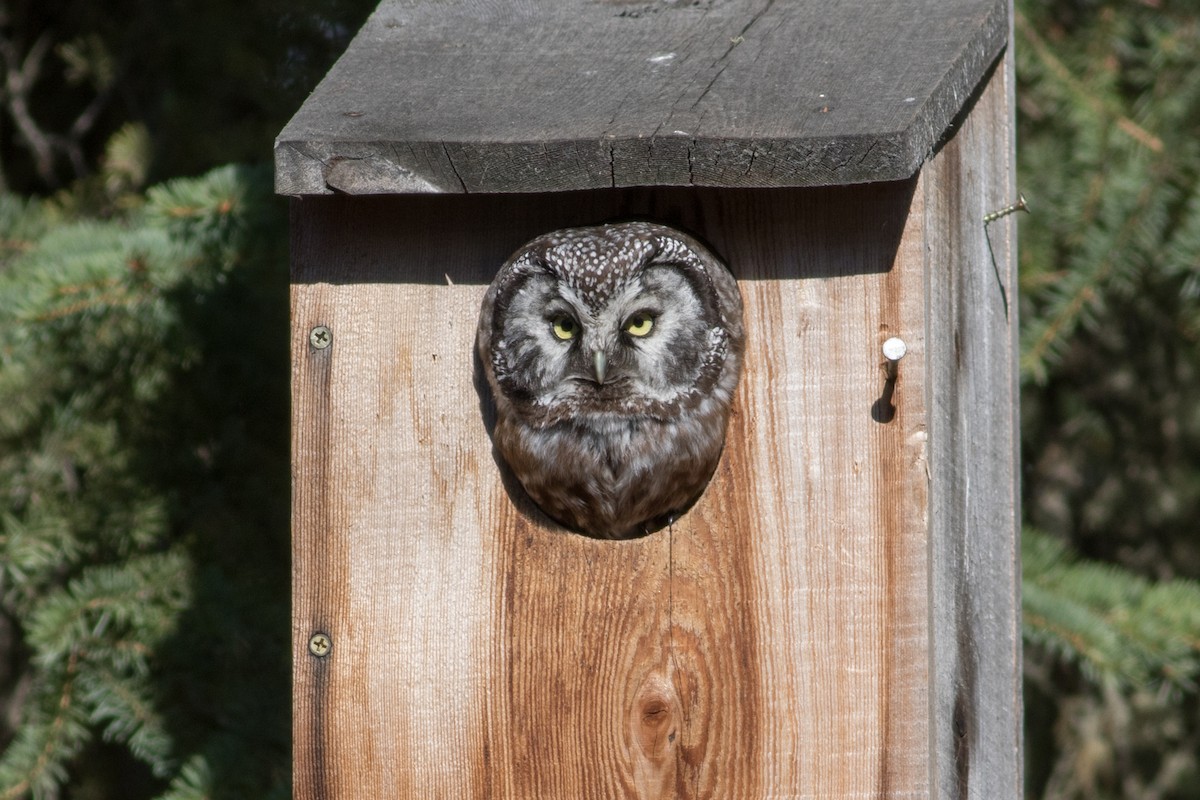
[611, 347]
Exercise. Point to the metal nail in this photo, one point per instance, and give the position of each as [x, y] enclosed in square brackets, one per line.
[893, 350]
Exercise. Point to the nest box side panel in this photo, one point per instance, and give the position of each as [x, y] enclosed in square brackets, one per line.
[772, 643]
[974, 451]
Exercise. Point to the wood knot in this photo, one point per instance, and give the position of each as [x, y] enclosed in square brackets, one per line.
[655, 717]
[653, 711]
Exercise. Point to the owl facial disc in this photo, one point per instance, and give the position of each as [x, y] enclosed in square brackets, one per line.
[612, 354]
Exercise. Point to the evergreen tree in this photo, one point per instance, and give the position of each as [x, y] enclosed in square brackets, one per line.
[1109, 155]
[144, 555]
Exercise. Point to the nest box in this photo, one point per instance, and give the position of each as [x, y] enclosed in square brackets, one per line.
[838, 615]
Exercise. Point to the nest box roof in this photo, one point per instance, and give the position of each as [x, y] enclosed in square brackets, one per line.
[553, 95]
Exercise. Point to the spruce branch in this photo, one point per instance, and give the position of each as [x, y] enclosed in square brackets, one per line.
[123, 707]
[35, 761]
[1079, 90]
[136, 485]
[1080, 290]
[1116, 626]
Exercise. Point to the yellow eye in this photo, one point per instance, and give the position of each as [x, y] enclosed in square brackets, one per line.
[564, 327]
[639, 325]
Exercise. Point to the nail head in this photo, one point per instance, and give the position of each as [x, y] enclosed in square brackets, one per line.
[894, 349]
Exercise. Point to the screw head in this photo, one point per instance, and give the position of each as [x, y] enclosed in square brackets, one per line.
[320, 337]
[319, 644]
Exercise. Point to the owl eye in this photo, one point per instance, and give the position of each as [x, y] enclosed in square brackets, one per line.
[564, 327]
[639, 325]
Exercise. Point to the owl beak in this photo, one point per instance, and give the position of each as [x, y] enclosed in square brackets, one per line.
[601, 364]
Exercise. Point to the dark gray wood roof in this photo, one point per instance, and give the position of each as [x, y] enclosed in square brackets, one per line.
[546, 95]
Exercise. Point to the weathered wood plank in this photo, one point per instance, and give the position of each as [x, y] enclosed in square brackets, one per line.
[548, 95]
[974, 505]
[771, 644]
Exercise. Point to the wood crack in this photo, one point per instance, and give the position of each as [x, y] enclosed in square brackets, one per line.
[733, 42]
[708, 88]
[454, 169]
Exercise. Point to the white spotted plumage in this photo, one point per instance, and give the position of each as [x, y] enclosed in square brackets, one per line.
[615, 444]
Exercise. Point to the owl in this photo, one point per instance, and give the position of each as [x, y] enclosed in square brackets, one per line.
[612, 353]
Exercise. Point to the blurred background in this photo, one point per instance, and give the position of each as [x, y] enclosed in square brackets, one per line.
[144, 479]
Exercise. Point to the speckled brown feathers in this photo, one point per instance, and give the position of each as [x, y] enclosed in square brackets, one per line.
[612, 353]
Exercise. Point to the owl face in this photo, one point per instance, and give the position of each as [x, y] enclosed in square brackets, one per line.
[628, 350]
[607, 349]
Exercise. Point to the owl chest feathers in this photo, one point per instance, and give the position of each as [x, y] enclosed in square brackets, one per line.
[608, 475]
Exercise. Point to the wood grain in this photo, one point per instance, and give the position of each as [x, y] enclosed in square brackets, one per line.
[772, 643]
[557, 95]
[974, 459]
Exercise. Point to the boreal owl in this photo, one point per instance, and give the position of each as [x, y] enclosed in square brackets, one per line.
[612, 353]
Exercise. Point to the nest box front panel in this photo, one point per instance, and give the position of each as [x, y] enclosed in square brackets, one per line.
[451, 640]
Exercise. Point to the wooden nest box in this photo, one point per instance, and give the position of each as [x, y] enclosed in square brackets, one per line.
[838, 615]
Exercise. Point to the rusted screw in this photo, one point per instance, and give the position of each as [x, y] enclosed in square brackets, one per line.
[320, 337]
[1020, 205]
[319, 644]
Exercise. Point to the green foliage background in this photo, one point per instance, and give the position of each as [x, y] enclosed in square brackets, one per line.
[143, 469]
[143, 395]
[1109, 154]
